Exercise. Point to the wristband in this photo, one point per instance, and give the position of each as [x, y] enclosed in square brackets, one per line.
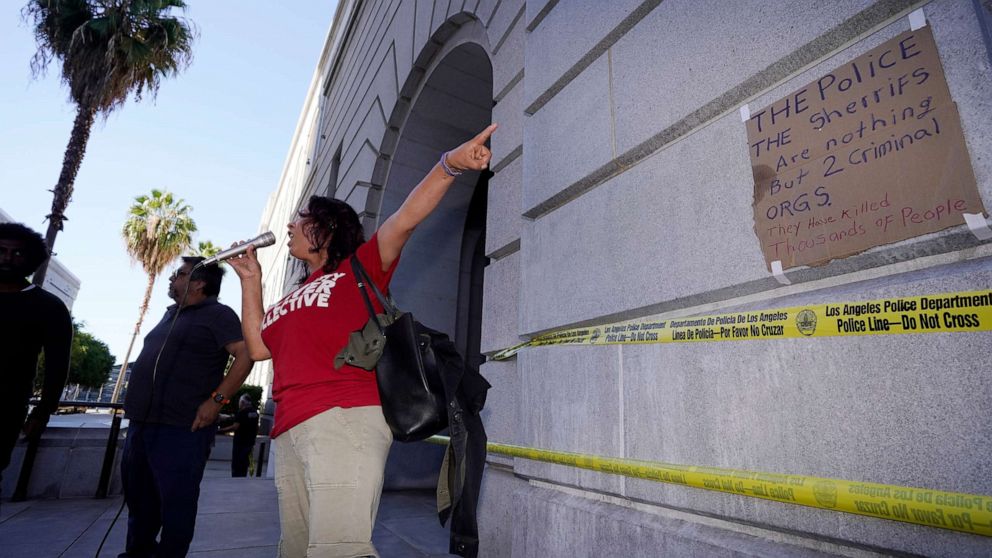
[448, 170]
[219, 398]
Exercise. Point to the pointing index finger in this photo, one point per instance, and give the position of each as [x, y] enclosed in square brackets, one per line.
[484, 135]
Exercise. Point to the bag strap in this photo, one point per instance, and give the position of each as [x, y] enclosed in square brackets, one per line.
[361, 278]
[365, 283]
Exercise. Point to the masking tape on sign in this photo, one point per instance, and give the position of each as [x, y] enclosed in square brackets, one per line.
[917, 20]
[969, 513]
[940, 313]
[779, 274]
[745, 113]
[978, 225]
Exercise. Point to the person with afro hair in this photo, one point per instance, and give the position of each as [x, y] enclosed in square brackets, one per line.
[31, 321]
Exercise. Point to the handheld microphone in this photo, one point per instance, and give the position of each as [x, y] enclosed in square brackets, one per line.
[260, 241]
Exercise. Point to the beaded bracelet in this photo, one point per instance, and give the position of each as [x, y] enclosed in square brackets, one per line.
[448, 170]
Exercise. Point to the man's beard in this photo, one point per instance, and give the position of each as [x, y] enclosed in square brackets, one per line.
[10, 275]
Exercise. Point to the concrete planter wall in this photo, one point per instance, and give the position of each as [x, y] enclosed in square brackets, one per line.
[68, 462]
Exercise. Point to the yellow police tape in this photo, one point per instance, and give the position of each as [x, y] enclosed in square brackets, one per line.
[941, 313]
[956, 511]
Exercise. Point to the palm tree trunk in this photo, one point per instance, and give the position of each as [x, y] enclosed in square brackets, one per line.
[137, 329]
[73, 158]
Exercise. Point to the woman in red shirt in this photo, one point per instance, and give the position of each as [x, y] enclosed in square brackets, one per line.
[331, 438]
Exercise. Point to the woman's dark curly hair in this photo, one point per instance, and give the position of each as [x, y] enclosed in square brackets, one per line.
[335, 219]
[33, 246]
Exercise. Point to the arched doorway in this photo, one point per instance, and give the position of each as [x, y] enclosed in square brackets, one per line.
[440, 275]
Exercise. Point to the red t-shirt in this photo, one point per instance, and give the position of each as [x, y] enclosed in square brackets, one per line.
[305, 331]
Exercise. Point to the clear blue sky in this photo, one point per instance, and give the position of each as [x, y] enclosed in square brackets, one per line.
[217, 136]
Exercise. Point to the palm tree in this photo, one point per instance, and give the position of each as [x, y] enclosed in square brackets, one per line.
[108, 49]
[205, 249]
[158, 229]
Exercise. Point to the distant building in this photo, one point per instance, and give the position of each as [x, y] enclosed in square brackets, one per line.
[76, 392]
[62, 283]
[107, 390]
[102, 394]
[59, 281]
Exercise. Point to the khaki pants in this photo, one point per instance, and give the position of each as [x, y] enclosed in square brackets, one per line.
[329, 472]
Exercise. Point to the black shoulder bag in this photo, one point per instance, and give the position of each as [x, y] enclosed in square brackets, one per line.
[418, 370]
[411, 387]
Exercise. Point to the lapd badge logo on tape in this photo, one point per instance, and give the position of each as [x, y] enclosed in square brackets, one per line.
[825, 492]
[595, 335]
[806, 322]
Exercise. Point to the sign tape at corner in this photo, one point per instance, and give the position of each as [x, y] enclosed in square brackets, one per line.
[939, 313]
[969, 513]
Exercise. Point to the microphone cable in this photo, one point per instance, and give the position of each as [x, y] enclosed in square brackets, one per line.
[175, 318]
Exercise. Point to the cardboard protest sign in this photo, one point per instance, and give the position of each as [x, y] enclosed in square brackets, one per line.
[868, 154]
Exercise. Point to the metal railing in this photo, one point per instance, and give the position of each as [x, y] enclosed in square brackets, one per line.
[259, 464]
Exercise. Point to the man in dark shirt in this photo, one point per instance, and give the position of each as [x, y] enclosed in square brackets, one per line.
[176, 390]
[31, 320]
[245, 430]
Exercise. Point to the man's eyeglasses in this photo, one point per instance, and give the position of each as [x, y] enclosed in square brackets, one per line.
[177, 274]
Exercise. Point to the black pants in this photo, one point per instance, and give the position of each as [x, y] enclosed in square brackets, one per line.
[240, 455]
[161, 469]
[11, 421]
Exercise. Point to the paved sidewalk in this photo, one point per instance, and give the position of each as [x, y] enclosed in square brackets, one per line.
[237, 518]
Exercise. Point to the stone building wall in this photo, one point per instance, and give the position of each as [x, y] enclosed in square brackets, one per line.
[621, 187]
